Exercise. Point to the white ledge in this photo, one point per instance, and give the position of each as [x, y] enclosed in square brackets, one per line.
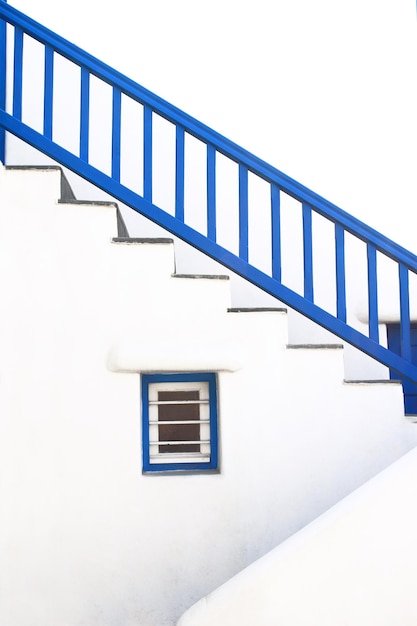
[175, 356]
[388, 313]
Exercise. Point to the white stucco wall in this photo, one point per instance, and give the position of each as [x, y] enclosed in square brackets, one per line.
[356, 564]
[85, 536]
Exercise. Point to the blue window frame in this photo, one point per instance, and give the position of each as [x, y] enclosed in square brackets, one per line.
[179, 422]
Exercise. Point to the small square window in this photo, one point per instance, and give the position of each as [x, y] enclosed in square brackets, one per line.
[179, 422]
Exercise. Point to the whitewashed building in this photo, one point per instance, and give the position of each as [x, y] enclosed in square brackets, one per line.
[171, 438]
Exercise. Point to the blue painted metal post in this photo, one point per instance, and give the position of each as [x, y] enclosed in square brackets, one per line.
[116, 134]
[340, 273]
[372, 293]
[3, 86]
[48, 92]
[211, 192]
[179, 173]
[18, 73]
[243, 213]
[405, 325]
[308, 252]
[147, 153]
[276, 231]
[84, 114]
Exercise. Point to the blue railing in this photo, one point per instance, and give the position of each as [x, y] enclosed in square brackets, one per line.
[218, 150]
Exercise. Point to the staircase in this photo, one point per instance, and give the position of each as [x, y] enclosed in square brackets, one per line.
[243, 233]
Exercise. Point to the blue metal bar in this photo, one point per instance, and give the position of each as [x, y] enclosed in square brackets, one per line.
[308, 252]
[3, 68]
[276, 231]
[18, 73]
[116, 133]
[207, 135]
[405, 326]
[372, 293]
[211, 192]
[212, 249]
[48, 92]
[179, 173]
[85, 114]
[147, 153]
[340, 272]
[243, 213]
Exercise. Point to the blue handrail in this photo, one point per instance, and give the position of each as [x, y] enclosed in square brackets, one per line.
[215, 145]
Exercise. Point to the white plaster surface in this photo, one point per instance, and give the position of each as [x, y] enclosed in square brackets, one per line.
[171, 355]
[85, 537]
[354, 565]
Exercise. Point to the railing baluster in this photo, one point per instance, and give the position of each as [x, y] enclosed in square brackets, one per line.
[276, 231]
[405, 330]
[18, 73]
[85, 114]
[179, 172]
[116, 134]
[372, 293]
[340, 272]
[308, 252]
[147, 153]
[243, 213]
[48, 92]
[211, 192]
[3, 68]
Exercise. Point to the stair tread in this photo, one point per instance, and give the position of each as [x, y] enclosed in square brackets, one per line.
[141, 240]
[88, 202]
[67, 194]
[260, 309]
[315, 346]
[213, 276]
[372, 381]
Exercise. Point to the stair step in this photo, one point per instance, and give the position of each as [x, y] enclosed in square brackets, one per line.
[142, 240]
[257, 310]
[66, 189]
[382, 381]
[315, 346]
[202, 276]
